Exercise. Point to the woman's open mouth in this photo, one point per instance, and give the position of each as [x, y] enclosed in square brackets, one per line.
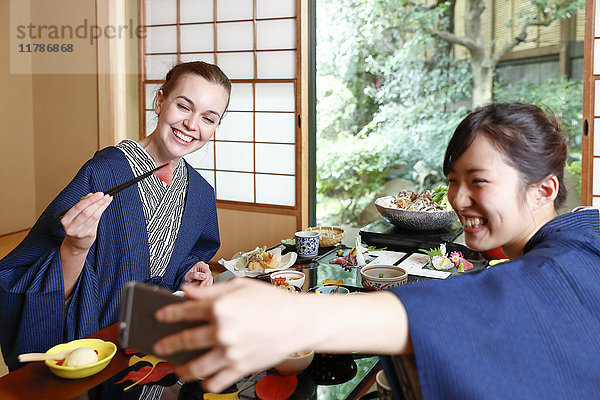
[472, 222]
[183, 137]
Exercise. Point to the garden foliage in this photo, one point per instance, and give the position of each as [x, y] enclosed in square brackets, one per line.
[390, 95]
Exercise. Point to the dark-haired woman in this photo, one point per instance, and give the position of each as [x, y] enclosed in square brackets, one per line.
[64, 281]
[525, 329]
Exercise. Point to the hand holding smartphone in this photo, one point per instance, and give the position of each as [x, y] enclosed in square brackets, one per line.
[139, 329]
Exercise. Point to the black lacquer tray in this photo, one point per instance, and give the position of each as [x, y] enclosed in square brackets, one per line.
[382, 233]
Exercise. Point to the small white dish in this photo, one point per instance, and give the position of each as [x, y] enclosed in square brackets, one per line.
[295, 363]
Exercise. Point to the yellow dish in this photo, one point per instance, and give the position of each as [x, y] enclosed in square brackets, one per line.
[106, 351]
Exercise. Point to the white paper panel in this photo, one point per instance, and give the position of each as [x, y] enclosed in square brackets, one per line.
[597, 19]
[237, 65]
[235, 36]
[208, 175]
[596, 177]
[597, 135]
[275, 158]
[203, 157]
[235, 186]
[196, 10]
[158, 66]
[276, 64]
[275, 8]
[236, 126]
[276, 127]
[228, 10]
[276, 34]
[161, 39]
[160, 12]
[241, 97]
[151, 121]
[235, 156]
[597, 96]
[206, 57]
[596, 202]
[197, 38]
[275, 97]
[276, 189]
[151, 89]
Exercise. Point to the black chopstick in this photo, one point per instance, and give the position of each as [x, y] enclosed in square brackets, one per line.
[118, 188]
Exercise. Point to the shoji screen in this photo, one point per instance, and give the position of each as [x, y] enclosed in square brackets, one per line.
[252, 158]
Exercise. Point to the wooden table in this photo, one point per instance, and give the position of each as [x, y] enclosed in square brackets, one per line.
[36, 381]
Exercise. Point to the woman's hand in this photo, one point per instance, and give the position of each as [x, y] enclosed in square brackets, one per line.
[81, 221]
[249, 325]
[199, 275]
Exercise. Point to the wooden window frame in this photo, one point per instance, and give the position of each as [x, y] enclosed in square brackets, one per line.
[587, 142]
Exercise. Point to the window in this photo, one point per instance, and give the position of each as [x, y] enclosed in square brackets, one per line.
[252, 158]
[395, 78]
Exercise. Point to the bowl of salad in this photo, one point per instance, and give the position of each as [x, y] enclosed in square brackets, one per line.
[424, 211]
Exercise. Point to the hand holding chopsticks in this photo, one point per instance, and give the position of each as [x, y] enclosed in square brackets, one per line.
[118, 188]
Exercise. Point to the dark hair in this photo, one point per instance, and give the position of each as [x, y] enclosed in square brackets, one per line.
[210, 72]
[530, 140]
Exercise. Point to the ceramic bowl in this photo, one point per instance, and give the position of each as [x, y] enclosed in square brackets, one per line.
[106, 351]
[415, 220]
[295, 278]
[295, 363]
[379, 277]
[332, 289]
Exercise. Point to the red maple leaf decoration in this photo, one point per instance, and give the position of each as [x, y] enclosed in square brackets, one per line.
[161, 371]
[276, 387]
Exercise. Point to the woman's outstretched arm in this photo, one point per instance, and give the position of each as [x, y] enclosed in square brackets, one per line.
[250, 325]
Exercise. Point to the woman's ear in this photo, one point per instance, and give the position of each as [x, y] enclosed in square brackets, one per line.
[546, 190]
[159, 100]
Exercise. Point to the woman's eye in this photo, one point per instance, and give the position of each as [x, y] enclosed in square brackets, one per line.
[209, 120]
[478, 181]
[181, 106]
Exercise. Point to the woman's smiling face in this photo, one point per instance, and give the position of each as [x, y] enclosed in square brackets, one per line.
[489, 198]
[188, 116]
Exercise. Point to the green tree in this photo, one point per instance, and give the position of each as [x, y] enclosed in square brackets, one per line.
[390, 92]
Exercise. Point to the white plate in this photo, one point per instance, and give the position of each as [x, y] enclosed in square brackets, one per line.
[287, 261]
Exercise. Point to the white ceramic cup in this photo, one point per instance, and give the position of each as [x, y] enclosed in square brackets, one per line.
[384, 389]
[307, 243]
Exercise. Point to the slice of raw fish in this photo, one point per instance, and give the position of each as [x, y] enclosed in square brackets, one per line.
[165, 174]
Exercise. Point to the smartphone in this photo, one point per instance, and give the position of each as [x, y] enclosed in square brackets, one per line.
[139, 330]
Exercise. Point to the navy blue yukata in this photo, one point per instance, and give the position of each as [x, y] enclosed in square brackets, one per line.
[33, 314]
[525, 329]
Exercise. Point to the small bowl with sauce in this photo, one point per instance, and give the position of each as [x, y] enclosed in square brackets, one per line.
[293, 277]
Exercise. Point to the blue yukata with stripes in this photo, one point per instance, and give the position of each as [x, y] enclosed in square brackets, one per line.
[33, 312]
[525, 329]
